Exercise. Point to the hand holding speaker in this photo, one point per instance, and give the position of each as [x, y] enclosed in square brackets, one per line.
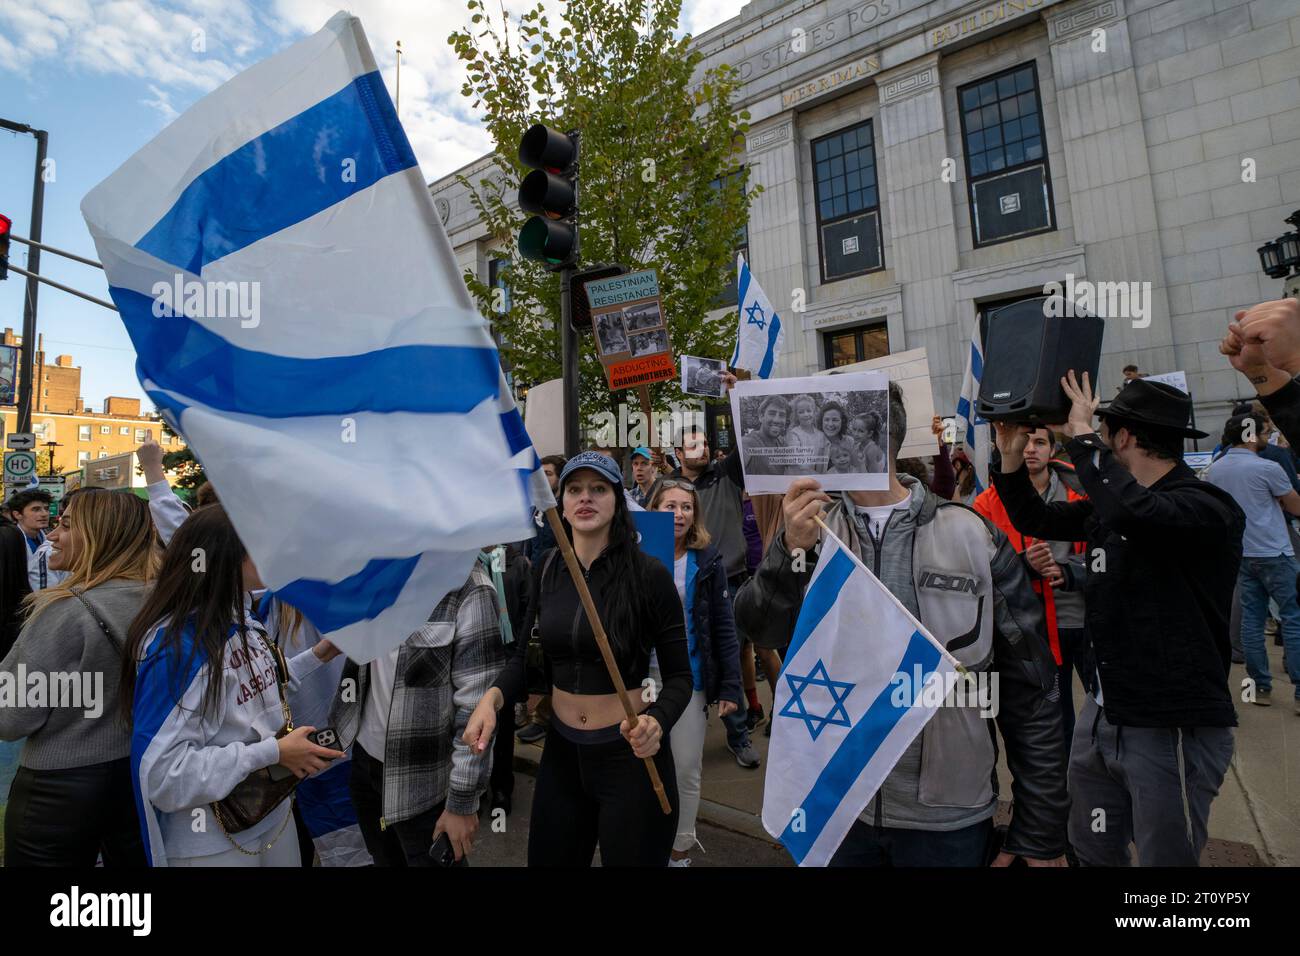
[1083, 404]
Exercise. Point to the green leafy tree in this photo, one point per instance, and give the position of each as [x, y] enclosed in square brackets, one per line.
[189, 470]
[657, 143]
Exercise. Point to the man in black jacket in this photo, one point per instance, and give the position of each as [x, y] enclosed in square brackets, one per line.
[1154, 738]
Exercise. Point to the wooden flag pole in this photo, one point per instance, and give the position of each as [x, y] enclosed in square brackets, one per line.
[602, 641]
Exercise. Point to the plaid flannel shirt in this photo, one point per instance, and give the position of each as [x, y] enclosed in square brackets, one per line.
[443, 670]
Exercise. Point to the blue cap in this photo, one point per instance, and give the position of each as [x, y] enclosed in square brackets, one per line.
[643, 451]
[605, 466]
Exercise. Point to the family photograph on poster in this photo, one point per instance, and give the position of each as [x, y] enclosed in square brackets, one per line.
[833, 429]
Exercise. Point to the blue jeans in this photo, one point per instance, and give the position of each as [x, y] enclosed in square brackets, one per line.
[866, 845]
[1259, 580]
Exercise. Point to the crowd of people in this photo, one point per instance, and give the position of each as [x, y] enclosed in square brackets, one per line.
[1105, 557]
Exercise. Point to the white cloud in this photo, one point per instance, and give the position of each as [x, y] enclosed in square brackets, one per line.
[162, 102]
[701, 15]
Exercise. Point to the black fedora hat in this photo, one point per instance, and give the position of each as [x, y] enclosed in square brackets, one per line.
[1155, 404]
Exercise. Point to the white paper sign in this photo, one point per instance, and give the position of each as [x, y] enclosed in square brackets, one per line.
[835, 430]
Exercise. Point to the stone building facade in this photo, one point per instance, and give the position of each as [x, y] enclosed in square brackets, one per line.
[923, 162]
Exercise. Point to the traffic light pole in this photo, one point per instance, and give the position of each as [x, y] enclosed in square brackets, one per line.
[33, 270]
[569, 362]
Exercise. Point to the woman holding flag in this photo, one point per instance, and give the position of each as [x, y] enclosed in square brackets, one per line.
[592, 787]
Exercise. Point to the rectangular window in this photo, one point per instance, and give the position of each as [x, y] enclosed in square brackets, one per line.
[83, 457]
[1007, 174]
[848, 203]
[141, 435]
[103, 454]
[499, 278]
[105, 430]
[731, 293]
[124, 430]
[856, 345]
[83, 433]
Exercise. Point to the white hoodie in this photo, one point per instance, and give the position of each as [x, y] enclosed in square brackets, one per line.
[183, 758]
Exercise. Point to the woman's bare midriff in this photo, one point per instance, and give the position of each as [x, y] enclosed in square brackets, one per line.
[599, 710]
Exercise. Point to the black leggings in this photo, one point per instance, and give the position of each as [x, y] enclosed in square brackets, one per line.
[594, 793]
[69, 817]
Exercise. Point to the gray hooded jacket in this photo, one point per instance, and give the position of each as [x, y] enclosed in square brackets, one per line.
[961, 578]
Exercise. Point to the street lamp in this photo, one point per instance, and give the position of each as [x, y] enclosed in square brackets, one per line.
[1280, 259]
[51, 445]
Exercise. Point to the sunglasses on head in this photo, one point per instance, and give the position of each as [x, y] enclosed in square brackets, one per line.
[676, 483]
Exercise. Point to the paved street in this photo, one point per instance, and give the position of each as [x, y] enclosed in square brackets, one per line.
[721, 847]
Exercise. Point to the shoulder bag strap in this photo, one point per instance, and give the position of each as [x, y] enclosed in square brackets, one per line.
[103, 625]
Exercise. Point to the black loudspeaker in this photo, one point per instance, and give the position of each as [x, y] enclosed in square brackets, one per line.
[1027, 353]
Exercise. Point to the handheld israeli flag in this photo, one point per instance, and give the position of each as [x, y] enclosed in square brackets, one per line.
[848, 703]
[976, 434]
[298, 315]
[759, 335]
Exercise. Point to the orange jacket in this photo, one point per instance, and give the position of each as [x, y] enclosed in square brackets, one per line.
[990, 506]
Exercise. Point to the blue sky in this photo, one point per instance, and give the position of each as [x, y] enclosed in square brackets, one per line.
[103, 77]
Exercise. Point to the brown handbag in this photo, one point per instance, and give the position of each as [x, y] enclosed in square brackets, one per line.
[259, 793]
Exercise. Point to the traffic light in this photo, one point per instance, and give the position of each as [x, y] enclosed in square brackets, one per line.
[5, 224]
[550, 192]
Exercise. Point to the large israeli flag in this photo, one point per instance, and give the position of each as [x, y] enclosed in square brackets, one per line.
[848, 703]
[759, 334]
[299, 317]
[975, 433]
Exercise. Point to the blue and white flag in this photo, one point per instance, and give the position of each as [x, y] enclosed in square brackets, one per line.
[759, 334]
[299, 316]
[975, 433]
[848, 703]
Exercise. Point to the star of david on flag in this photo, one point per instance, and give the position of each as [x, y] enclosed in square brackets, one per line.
[759, 333]
[842, 727]
[796, 707]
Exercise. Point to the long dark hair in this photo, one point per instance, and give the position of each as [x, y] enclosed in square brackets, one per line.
[201, 581]
[627, 614]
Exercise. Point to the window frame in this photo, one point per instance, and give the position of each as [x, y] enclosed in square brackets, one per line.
[1043, 161]
[857, 331]
[84, 432]
[819, 223]
[725, 300]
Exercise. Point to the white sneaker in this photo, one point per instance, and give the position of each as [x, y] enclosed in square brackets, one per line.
[684, 862]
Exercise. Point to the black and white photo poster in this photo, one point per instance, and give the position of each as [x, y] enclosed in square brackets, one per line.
[834, 429]
[703, 376]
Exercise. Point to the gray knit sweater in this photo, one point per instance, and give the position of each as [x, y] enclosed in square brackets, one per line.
[59, 683]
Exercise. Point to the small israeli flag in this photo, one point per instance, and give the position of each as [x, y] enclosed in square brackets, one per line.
[851, 698]
[298, 315]
[759, 335]
[975, 433]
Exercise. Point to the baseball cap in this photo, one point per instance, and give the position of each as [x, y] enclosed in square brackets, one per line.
[643, 451]
[605, 466]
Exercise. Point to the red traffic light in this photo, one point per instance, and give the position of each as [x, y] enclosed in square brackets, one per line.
[5, 224]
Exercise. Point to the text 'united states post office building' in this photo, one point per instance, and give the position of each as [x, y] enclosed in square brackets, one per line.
[924, 162]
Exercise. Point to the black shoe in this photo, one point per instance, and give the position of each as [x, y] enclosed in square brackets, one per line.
[754, 717]
[767, 731]
[532, 734]
[501, 799]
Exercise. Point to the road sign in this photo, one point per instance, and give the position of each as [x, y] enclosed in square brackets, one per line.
[55, 485]
[19, 465]
[22, 441]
